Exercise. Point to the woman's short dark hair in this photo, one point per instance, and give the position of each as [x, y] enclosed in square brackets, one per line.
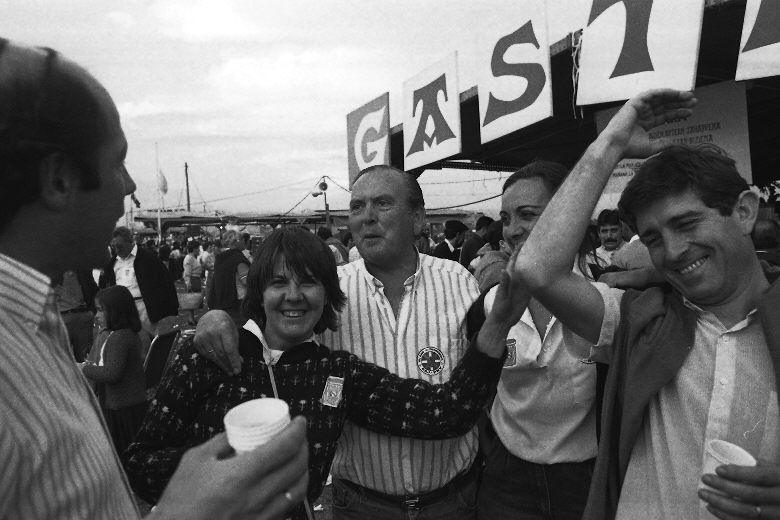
[706, 170]
[305, 255]
[551, 173]
[119, 308]
[192, 246]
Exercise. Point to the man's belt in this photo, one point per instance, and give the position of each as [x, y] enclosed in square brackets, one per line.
[417, 502]
[82, 308]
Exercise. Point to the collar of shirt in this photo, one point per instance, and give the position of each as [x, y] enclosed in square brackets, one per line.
[271, 356]
[376, 285]
[708, 316]
[29, 293]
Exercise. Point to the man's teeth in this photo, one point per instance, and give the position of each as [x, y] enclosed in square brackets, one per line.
[293, 314]
[693, 266]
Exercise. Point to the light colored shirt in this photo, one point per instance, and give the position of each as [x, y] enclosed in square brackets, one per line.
[58, 460]
[354, 254]
[192, 267]
[429, 335]
[125, 272]
[726, 389]
[544, 411]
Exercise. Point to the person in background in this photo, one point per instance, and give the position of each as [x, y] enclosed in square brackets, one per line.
[118, 373]
[62, 176]
[192, 281]
[610, 230]
[766, 239]
[491, 259]
[449, 248]
[246, 238]
[477, 240]
[423, 242]
[227, 287]
[76, 302]
[164, 252]
[335, 245]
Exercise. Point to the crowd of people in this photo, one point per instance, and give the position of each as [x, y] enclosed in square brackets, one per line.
[539, 366]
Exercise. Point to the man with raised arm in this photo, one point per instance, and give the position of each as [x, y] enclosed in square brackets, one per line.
[63, 181]
[692, 361]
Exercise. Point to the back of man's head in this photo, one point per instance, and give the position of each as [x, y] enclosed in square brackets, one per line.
[551, 173]
[453, 227]
[123, 233]
[482, 223]
[707, 171]
[47, 105]
[766, 234]
[324, 232]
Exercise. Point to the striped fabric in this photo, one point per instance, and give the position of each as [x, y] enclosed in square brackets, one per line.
[431, 316]
[58, 461]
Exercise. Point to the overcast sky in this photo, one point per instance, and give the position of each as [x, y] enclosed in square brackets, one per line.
[254, 95]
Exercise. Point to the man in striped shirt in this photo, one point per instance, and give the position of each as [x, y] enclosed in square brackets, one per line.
[406, 312]
[62, 177]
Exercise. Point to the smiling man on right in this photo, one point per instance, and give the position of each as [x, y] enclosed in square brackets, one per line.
[689, 362]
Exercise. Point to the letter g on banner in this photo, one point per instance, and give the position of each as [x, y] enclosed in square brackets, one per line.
[368, 135]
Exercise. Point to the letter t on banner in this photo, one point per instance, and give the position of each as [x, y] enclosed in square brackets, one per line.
[432, 114]
[514, 79]
[368, 136]
[633, 45]
[760, 44]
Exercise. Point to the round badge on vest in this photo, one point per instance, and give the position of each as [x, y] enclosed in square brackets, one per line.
[430, 361]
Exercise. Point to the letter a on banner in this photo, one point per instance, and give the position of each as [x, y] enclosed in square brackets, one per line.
[514, 78]
[432, 114]
[634, 45]
[760, 45]
[368, 136]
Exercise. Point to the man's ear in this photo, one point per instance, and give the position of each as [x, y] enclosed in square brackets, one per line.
[59, 181]
[419, 220]
[746, 210]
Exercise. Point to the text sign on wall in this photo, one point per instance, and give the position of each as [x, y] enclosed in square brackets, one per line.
[633, 45]
[760, 44]
[719, 118]
[514, 72]
[432, 114]
[368, 136]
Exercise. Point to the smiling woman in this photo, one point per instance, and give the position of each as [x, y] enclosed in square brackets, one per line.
[293, 292]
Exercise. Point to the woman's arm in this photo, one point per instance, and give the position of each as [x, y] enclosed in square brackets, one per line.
[387, 403]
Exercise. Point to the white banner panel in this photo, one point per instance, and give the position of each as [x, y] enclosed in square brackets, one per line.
[760, 45]
[432, 114]
[514, 83]
[368, 136]
[720, 118]
[634, 45]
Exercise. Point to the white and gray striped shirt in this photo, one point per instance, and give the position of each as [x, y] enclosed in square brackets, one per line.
[58, 459]
[431, 328]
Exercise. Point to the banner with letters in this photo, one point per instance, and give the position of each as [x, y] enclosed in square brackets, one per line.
[759, 47]
[431, 115]
[514, 84]
[720, 118]
[368, 136]
[630, 46]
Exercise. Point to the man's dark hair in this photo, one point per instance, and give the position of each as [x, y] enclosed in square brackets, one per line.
[551, 173]
[453, 227]
[324, 232]
[494, 235]
[766, 234]
[706, 170]
[125, 233]
[192, 245]
[413, 191]
[346, 238]
[608, 217]
[483, 222]
[306, 256]
[45, 107]
[119, 308]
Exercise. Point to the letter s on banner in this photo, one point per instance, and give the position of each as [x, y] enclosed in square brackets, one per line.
[368, 135]
[514, 71]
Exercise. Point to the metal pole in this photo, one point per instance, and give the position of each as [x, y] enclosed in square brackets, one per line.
[187, 181]
[327, 210]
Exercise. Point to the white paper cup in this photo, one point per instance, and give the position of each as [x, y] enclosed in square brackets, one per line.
[253, 423]
[717, 453]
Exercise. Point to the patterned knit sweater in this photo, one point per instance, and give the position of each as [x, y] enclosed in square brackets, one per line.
[195, 395]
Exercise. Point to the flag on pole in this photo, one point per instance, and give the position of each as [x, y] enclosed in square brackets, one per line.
[162, 184]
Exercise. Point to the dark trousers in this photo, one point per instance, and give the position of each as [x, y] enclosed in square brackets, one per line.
[351, 502]
[515, 489]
